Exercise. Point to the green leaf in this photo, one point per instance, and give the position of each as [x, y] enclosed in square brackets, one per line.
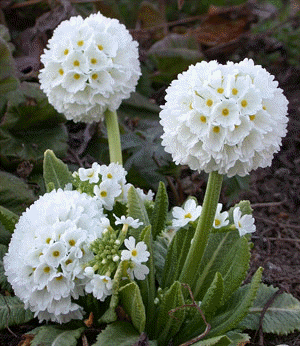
[159, 215]
[12, 312]
[117, 334]
[236, 308]
[55, 336]
[4, 284]
[15, 195]
[5, 235]
[137, 210]
[8, 80]
[168, 325]
[131, 299]
[55, 171]
[160, 249]
[8, 218]
[176, 255]
[222, 340]
[237, 338]
[282, 317]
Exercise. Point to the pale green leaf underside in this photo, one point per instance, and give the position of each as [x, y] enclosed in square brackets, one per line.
[282, 317]
[52, 336]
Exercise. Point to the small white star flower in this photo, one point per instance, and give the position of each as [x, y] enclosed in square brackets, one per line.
[221, 218]
[100, 286]
[107, 192]
[137, 253]
[244, 224]
[138, 271]
[189, 212]
[134, 223]
[113, 172]
[90, 174]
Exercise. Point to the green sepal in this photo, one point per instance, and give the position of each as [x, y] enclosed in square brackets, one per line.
[236, 308]
[131, 299]
[159, 214]
[176, 255]
[168, 325]
[8, 219]
[137, 210]
[55, 172]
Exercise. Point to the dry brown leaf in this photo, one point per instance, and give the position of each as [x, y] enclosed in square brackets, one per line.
[27, 340]
[89, 321]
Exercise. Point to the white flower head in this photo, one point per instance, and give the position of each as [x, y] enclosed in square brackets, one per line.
[244, 224]
[100, 286]
[134, 223]
[226, 118]
[113, 172]
[44, 263]
[221, 218]
[90, 65]
[137, 253]
[107, 192]
[189, 212]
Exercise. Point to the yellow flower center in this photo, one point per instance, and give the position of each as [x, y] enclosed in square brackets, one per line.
[217, 222]
[244, 103]
[94, 76]
[80, 43]
[225, 112]
[264, 108]
[216, 129]
[76, 76]
[190, 106]
[48, 240]
[103, 193]
[61, 71]
[58, 278]
[55, 253]
[93, 61]
[109, 176]
[105, 280]
[46, 270]
[66, 51]
[188, 216]
[252, 117]
[209, 102]
[100, 47]
[90, 175]
[76, 63]
[234, 91]
[68, 261]
[203, 119]
[220, 90]
[72, 242]
[133, 252]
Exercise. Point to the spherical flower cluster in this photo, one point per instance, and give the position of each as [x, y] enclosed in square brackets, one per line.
[49, 247]
[90, 66]
[225, 118]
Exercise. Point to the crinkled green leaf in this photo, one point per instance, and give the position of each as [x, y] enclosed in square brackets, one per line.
[117, 334]
[12, 312]
[168, 325]
[282, 317]
[137, 210]
[55, 336]
[159, 214]
[236, 308]
[55, 171]
[15, 194]
[176, 255]
[131, 299]
[222, 340]
[8, 218]
[160, 249]
[4, 284]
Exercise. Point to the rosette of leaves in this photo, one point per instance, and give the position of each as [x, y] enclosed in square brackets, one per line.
[213, 310]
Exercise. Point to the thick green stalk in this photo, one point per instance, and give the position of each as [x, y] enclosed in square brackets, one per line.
[189, 273]
[113, 134]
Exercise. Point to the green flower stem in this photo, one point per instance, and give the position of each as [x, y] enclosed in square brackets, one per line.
[113, 133]
[189, 273]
